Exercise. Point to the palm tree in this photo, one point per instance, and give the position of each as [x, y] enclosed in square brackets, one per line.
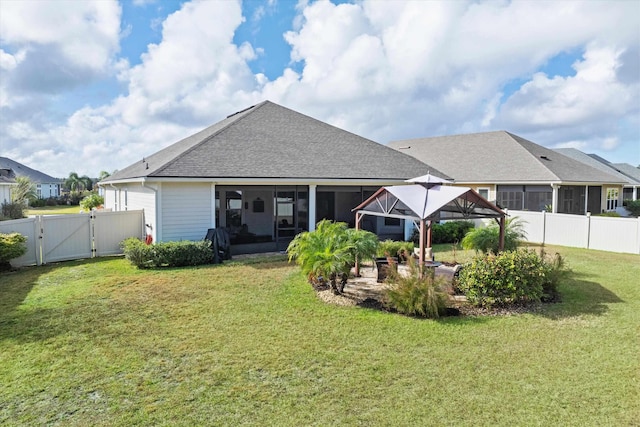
[73, 183]
[103, 175]
[330, 251]
[24, 192]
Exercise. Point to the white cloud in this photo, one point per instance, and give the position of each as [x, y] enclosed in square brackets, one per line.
[385, 70]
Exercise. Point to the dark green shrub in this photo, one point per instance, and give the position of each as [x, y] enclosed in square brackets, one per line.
[12, 210]
[510, 277]
[12, 245]
[609, 214]
[415, 294]
[633, 206]
[446, 232]
[167, 254]
[38, 203]
[394, 248]
[487, 239]
[51, 201]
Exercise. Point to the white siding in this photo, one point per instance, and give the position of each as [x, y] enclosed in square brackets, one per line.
[5, 193]
[186, 211]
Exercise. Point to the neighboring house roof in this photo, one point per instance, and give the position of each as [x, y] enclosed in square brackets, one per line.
[271, 141]
[594, 161]
[21, 170]
[629, 170]
[500, 157]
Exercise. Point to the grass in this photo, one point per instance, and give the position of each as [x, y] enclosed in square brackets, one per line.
[97, 342]
[53, 210]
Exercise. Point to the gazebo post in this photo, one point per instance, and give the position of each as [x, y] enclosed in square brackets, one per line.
[422, 240]
[357, 266]
[429, 228]
[501, 244]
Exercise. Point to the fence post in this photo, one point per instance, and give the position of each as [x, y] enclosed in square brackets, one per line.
[544, 226]
[588, 229]
[638, 236]
[39, 223]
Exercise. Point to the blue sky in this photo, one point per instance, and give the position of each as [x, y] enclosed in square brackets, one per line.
[90, 86]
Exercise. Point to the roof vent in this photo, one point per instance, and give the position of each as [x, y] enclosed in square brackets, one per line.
[404, 148]
[545, 158]
[147, 166]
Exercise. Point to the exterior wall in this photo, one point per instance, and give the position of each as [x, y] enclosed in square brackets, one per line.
[5, 193]
[46, 190]
[185, 211]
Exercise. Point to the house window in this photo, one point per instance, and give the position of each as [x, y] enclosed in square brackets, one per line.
[484, 192]
[612, 199]
[392, 222]
[510, 197]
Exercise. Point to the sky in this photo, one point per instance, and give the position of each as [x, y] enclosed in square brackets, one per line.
[95, 86]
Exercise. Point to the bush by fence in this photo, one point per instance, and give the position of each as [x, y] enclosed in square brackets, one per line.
[167, 254]
[12, 246]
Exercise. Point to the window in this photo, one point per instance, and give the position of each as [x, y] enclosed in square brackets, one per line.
[392, 222]
[234, 208]
[484, 192]
[510, 197]
[612, 199]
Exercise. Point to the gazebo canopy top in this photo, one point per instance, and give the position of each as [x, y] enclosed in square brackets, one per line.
[428, 202]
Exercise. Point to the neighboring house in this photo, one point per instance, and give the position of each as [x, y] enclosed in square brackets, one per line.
[633, 173]
[6, 182]
[265, 174]
[595, 161]
[46, 185]
[517, 173]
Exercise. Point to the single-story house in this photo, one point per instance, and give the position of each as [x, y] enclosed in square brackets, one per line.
[46, 185]
[595, 161]
[518, 174]
[632, 172]
[6, 182]
[264, 173]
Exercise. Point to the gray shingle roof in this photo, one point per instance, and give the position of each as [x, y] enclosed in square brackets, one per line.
[595, 162]
[629, 170]
[21, 170]
[271, 141]
[499, 157]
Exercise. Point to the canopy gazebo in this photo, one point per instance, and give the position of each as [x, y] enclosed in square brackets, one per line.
[427, 200]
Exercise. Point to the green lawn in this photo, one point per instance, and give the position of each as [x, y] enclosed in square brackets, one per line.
[98, 342]
[53, 210]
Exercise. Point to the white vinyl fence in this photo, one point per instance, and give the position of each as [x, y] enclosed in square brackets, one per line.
[52, 238]
[582, 231]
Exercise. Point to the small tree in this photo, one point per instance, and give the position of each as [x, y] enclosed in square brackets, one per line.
[11, 246]
[91, 201]
[330, 251]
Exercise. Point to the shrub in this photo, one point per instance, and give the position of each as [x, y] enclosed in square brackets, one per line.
[11, 246]
[91, 201]
[609, 214]
[556, 270]
[12, 210]
[633, 206]
[167, 254]
[487, 239]
[415, 294]
[509, 277]
[394, 248]
[51, 201]
[38, 203]
[446, 232]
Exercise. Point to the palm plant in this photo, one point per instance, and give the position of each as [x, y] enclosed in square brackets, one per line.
[24, 192]
[330, 251]
[487, 239]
